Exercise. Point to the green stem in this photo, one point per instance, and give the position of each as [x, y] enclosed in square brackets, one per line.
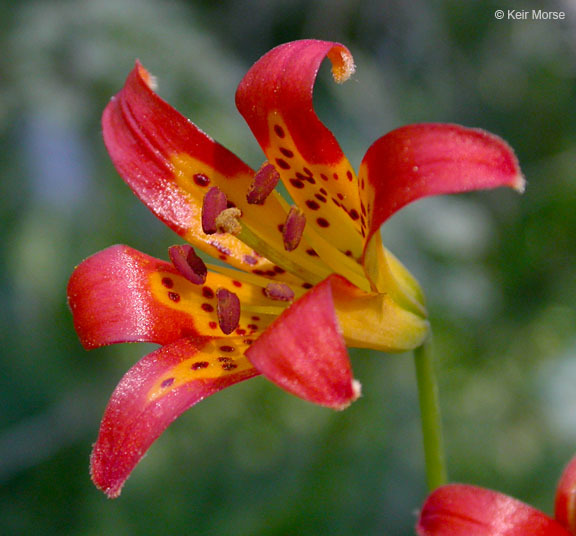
[430, 416]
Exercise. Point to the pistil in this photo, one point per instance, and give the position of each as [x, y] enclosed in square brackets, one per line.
[227, 220]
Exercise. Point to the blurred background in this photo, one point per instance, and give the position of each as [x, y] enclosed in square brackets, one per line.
[499, 269]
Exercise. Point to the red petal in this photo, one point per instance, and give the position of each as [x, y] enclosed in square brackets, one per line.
[303, 351]
[416, 161]
[170, 164]
[122, 295]
[565, 507]
[152, 394]
[282, 80]
[461, 510]
[275, 98]
[112, 301]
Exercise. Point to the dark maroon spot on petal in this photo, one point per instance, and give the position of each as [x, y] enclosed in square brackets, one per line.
[349, 175]
[362, 184]
[222, 257]
[174, 296]
[227, 348]
[167, 383]
[348, 253]
[258, 272]
[301, 176]
[323, 222]
[248, 259]
[281, 163]
[354, 214]
[363, 232]
[207, 307]
[307, 285]
[237, 283]
[320, 197]
[227, 363]
[213, 204]
[279, 131]
[286, 152]
[340, 196]
[363, 221]
[335, 176]
[323, 177]
[199, 365]
[311, 180]
[213, 325]
[279, 292]
[248, 341]
[228, 310]
[230, 204]
[279, 270]
[167, 282]
[336, 202]
[293, 228]
[240, 332]
[308, 172]
[201, 180]
[252, 327]
[270, 273]
[312, 205]
[297, 183]
[363, 209]
[281, 227]
[323, 191]
[263, 183]
[188, 263]
[311, 252]
[255, 318]
[219, 247]
[207, 292]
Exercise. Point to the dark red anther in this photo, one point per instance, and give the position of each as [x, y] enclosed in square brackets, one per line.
[263, 183]
[187, 262]
[214, 203]
[293, 228]
[279, 291]
[228, 310]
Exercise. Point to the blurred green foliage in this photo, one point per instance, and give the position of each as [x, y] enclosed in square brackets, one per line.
[499, 269]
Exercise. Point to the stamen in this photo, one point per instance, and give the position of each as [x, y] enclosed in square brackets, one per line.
[228, 310]
[263, 183]
[187, 262]
[279, 291]
[213, 204]
[293, 228]
[227, 221]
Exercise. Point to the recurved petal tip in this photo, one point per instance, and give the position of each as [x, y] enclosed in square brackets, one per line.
[519, 184]
[342, 64]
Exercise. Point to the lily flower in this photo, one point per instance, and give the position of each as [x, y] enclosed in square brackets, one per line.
[463, 510]
[304, 280]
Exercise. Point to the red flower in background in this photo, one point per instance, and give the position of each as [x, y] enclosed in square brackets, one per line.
[304, 281]
[462, 510]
